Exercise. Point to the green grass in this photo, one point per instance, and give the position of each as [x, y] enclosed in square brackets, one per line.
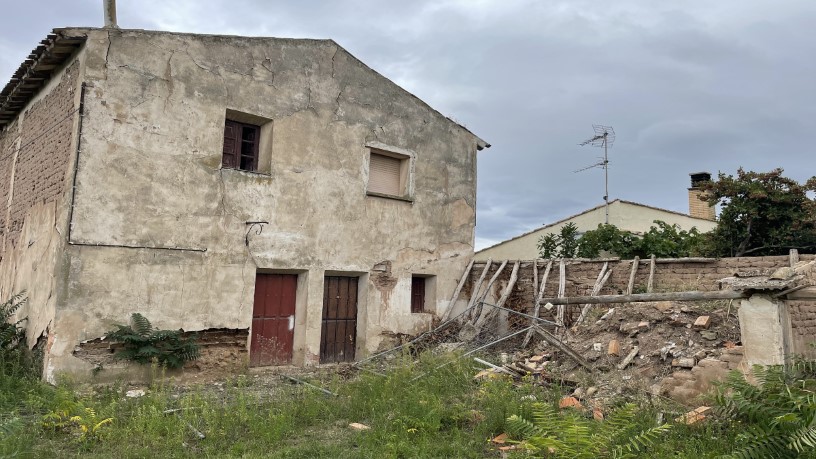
[442, 414]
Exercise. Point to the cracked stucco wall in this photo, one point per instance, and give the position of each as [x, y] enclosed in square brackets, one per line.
[149, 176]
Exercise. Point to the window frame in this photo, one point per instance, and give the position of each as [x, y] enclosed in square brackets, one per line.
[238, 142]
[407, 160]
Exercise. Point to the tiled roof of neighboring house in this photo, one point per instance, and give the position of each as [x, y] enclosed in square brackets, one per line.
[35, 72]
[57, 48]
[587, 211]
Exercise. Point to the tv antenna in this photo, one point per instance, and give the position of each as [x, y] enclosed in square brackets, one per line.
[604, 137]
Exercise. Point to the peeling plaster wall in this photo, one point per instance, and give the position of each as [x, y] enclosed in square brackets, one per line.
[149, 179]
[36, 159]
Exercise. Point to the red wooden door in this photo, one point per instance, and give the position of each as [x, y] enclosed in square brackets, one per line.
[273, 319]
[338, 337]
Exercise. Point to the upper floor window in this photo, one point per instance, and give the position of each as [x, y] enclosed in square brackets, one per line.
[389, 172]
[241, 146]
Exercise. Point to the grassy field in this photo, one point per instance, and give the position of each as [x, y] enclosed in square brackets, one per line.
[445, 413]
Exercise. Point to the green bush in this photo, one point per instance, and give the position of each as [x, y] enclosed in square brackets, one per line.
[11, 334]
[144, 344]
[778, 412]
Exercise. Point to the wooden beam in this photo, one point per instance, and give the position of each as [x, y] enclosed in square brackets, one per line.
[508, 289]
[474, 294]
[685, 260]
[553, 340]
[458, 290]
[631, 286]
[650, 284]
[537, 306]
[806, 293]
[562, 284]
[643, 297]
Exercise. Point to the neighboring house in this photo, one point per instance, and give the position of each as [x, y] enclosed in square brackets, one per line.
[276, 195]
[626, 215]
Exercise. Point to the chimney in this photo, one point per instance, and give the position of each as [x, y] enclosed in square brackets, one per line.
[697, 207]
[109, 7]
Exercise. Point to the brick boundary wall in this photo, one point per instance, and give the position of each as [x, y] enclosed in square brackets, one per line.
[41, 166]
[672, 276]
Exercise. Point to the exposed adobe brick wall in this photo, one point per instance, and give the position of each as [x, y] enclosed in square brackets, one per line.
[803, 327]
[45, 151]
[674, 276]
[221, 349]
[7, 146]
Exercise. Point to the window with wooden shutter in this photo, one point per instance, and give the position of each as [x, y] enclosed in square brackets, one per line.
[385, 175]
[417, 294]
[241, 142]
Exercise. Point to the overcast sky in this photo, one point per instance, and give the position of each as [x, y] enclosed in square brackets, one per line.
[688, 85]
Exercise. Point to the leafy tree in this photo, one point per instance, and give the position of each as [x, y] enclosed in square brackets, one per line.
[662, 240]
[762, 213]
[561, 245]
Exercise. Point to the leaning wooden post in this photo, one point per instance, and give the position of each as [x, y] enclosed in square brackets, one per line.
[562, 284]
[537, 305]
[599, 283]
[631, 286]
[503, 299]
[477, 310]
[474, 294]
[650, 284]
[456, 292]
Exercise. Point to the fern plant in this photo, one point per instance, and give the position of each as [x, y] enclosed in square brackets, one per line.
[570, 434]
[11, 334]
[779, 411]
[143, 344]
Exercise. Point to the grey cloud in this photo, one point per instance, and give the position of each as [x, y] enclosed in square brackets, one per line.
[688, 86]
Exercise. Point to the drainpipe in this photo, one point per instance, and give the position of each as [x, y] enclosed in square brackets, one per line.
[110, 14]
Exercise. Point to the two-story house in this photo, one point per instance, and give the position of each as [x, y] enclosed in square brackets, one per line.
[276, 191]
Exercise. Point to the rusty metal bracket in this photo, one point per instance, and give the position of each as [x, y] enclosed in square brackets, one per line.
[258, 229]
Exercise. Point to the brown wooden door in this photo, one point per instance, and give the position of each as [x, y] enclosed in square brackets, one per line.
[273, 319]
[338, 337]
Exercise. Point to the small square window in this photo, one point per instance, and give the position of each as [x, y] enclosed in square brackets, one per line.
[418, 294]
[389, 174]
[241, 146]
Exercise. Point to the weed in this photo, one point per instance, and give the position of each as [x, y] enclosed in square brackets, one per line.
[145, 344]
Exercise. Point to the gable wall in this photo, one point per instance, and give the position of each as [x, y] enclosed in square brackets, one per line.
[161, 229]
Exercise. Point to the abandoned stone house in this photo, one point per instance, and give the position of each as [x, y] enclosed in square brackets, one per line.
[276, 192]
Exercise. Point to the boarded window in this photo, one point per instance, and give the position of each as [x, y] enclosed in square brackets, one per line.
[417, 294]
[385, 175]
[241, 142]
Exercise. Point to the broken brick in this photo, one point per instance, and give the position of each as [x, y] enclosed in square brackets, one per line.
[702, 323]
[500, 439]
[358, 426]
[569, 402]
[694, 416]
[614, 348]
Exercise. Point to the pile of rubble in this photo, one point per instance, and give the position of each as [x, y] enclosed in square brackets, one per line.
[666, 348]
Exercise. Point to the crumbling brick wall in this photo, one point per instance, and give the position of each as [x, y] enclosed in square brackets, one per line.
[580, 276]
[43, 138]
[803, 327]
[222, 350]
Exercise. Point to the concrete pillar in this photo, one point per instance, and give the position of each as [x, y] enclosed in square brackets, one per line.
[765, 329]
